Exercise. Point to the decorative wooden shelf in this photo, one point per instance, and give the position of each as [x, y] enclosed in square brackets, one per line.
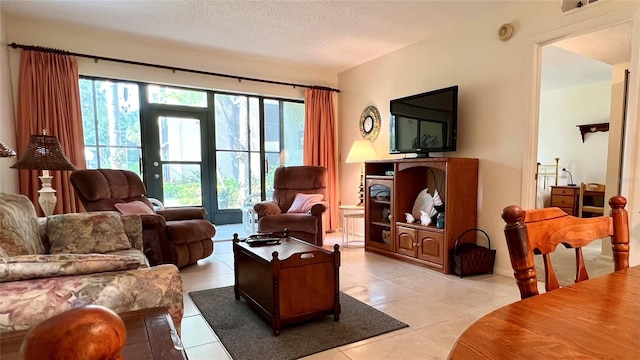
[590, 128]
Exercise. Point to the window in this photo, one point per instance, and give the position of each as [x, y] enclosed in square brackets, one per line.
[173, 96]
[111, 123]
[239, 149]
[191, 138]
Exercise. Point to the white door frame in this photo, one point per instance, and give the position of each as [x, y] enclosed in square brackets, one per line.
[630, 187]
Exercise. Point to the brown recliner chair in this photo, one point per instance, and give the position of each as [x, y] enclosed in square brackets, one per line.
[273, 216]
[179, 236]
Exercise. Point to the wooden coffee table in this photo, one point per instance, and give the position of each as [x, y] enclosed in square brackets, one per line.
[150, 335]
[288, 282]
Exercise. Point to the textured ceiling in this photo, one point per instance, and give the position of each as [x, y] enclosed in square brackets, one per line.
[585, 58]
[335, 35]
[332, 34]
[610, 46]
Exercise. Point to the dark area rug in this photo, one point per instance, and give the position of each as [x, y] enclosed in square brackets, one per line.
[247, 335]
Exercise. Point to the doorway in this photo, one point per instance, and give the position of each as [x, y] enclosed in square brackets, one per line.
[583, 87]
[582, 101]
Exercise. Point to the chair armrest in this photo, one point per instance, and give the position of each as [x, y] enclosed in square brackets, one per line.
[267, 208]
[154, 236]
[153, 221]
[319, 208]
[183, 213]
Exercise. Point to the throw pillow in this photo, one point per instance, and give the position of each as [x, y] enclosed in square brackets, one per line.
[26, 267]
[136, 207]
[303, 203]
[18, 226]
[424, 202]
[84, 233]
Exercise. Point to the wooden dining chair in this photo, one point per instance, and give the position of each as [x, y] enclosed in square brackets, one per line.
[595, 193]
[540, 231]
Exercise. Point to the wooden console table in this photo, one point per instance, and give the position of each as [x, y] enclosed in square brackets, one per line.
[288, 282]
[150, 336]
[392, 187]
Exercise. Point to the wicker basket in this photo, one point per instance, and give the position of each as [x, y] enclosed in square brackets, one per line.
[471, 259]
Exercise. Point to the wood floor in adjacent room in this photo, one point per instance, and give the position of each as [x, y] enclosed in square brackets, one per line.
[437, 307]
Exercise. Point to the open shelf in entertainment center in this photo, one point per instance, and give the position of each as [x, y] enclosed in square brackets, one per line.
[389, 197]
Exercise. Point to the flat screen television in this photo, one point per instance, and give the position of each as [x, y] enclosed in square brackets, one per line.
[424, 123]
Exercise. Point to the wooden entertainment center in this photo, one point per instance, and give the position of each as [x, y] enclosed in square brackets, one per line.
[386, 229]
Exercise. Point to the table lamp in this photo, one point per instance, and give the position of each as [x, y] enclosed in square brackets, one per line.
[44, 153]
[570, 183]
[361, 151]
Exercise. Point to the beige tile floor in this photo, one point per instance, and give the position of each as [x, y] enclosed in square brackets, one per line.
[437, 307]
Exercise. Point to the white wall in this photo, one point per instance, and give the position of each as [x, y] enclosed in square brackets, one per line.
[560, 111]
[497, 83]
[8, 176]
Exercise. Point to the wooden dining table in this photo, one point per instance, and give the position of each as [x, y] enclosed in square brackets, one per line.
[594, 319]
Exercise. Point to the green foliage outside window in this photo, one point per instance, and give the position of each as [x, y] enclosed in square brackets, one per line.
[111, 124]
[228, 193]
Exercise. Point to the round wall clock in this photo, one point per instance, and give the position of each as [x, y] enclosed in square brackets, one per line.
[370, 123]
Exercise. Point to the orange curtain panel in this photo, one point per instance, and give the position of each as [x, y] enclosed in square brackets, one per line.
[320, 144]
[49, 98]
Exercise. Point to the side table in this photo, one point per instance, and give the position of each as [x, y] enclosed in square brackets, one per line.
[350, 212]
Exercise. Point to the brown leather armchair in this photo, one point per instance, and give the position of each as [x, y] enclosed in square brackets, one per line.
[287, 182]
[179, 236]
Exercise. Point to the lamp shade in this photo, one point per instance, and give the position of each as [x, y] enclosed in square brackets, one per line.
[44, 153]
[6, 151]
[361, 151]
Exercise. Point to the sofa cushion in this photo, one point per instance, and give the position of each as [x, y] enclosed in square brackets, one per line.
[136, 207]
[26, 267]
[24, 303]
[18, 226]
[84, 233]
[132, 225]
[132, 254]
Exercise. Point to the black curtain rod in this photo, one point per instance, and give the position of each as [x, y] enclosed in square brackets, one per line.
[174, 69]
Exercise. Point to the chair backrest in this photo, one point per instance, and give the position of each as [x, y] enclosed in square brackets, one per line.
[540, 231]
[291, 180]
[591, 191]
[101, 189]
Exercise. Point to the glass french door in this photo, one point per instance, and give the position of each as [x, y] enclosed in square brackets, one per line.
[253, 137]
[175, 166]
[192, 147]
[239, 171]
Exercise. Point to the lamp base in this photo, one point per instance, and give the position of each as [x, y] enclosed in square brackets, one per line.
[361, 188]
[47, 198]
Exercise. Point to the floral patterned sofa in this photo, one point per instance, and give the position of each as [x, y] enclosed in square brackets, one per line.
[49, 266]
